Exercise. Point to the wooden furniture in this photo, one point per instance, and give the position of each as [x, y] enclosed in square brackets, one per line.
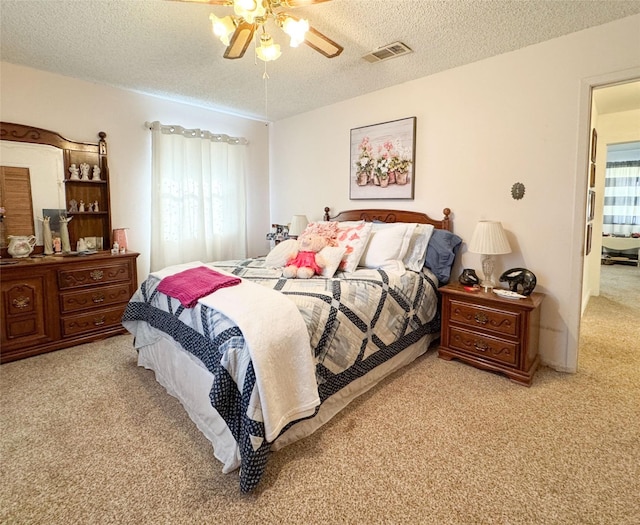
[49, 303]
[491, 332]
[351, 360]
[620, 244]
[53, 302]
[95, 190]
[371, 215]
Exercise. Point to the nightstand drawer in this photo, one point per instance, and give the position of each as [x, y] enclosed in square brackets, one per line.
[485, 346]
[500, 321]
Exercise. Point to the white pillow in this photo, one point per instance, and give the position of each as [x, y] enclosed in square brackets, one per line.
[353, 237]
[388, 244]
[277, 258]
[417, 251]
[332, 256]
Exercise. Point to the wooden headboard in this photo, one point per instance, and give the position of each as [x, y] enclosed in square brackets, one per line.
[391, 216]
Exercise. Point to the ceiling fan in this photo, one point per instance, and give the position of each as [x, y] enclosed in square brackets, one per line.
[236, 31]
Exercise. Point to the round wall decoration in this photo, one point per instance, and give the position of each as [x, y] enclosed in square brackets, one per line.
[517, 191]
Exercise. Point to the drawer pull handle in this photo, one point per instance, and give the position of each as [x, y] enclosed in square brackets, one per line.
[98, 321]
[21, 302]
[98, 298]
[481, 318]
[96, 275]
[480, 346]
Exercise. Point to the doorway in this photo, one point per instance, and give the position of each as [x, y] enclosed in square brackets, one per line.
[615, 115]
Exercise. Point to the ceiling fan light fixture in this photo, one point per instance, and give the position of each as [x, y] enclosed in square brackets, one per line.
[237, 30]
[296, 29]
[268, 51]
[223, 28]
[249, 5]
[249, 10]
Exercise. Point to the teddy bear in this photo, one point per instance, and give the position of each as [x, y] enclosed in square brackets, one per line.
[306, 262]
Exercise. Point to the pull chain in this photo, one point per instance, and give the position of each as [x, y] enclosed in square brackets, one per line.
[265, 76]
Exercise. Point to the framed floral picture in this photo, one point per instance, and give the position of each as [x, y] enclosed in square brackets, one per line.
[383, 160]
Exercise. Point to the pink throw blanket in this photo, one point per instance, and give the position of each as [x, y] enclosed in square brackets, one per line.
[190, 285]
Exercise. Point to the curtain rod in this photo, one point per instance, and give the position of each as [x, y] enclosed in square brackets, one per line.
[195, 133]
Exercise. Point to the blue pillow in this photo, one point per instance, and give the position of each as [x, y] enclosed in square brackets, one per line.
[441, 254]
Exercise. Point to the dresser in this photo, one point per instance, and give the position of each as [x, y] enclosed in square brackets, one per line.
[49, 303]
[491, 332]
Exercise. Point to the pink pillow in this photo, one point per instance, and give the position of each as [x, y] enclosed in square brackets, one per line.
[353, 236]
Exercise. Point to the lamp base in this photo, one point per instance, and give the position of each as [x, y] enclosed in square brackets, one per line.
[487, 269]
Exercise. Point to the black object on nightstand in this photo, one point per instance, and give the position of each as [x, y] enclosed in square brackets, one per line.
[491, 332]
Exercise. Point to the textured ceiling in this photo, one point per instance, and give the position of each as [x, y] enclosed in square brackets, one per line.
[166, 48]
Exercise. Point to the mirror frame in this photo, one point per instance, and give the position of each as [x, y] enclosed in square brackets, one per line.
[30, 134]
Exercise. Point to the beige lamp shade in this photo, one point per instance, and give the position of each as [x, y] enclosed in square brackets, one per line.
[298, 224]
[489, 238]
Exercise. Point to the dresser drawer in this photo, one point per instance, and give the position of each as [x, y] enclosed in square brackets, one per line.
[499, 321]
[485, 346]
[97, 320]
[106, 273]
[94, 297]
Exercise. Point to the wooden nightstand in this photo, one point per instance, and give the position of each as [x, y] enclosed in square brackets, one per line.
[491, 332]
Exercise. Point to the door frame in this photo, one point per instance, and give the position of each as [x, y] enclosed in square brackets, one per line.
[580, 203]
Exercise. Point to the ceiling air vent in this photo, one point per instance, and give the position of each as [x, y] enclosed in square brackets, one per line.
[386, 52]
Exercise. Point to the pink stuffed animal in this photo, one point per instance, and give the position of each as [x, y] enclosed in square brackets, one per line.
[306, 262]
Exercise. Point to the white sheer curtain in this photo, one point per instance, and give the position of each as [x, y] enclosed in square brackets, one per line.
[622, 198]
[198, 196]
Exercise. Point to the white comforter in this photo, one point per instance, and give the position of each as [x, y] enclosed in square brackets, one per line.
[280, 351]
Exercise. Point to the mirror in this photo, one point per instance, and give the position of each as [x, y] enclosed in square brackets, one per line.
[50, 160]
[46, 171]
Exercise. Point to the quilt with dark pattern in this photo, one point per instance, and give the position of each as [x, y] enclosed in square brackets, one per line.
[355, 321]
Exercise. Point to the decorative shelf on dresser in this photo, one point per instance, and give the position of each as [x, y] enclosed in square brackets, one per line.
[491, 332]
[49, 303]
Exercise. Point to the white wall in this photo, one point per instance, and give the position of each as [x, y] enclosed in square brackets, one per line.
[78, 110]
[518, 117]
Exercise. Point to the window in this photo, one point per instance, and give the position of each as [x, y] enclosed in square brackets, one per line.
[198, 196]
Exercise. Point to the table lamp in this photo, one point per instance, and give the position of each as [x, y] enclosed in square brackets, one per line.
[298, 224]
[489, 239]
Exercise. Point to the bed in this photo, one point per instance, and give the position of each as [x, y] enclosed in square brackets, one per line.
[264, 361]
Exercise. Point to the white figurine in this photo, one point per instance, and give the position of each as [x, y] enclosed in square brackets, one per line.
[64, 233]
[73, 206]
[46, 235]
[73, 169]
[81, 208]
[84, 168]
[96, 173]
[95, 206]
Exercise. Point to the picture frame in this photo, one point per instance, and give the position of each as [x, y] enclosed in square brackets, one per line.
[592, 175]
[594, 144]
[54, 218]
[382, 160]
[587, 249]
[591, 205]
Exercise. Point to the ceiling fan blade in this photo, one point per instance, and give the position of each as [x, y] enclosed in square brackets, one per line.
[240, 40]
[322, 44]
[210, 2]
[300, 3]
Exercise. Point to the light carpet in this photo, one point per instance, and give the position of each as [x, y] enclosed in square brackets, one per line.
[89, 437]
